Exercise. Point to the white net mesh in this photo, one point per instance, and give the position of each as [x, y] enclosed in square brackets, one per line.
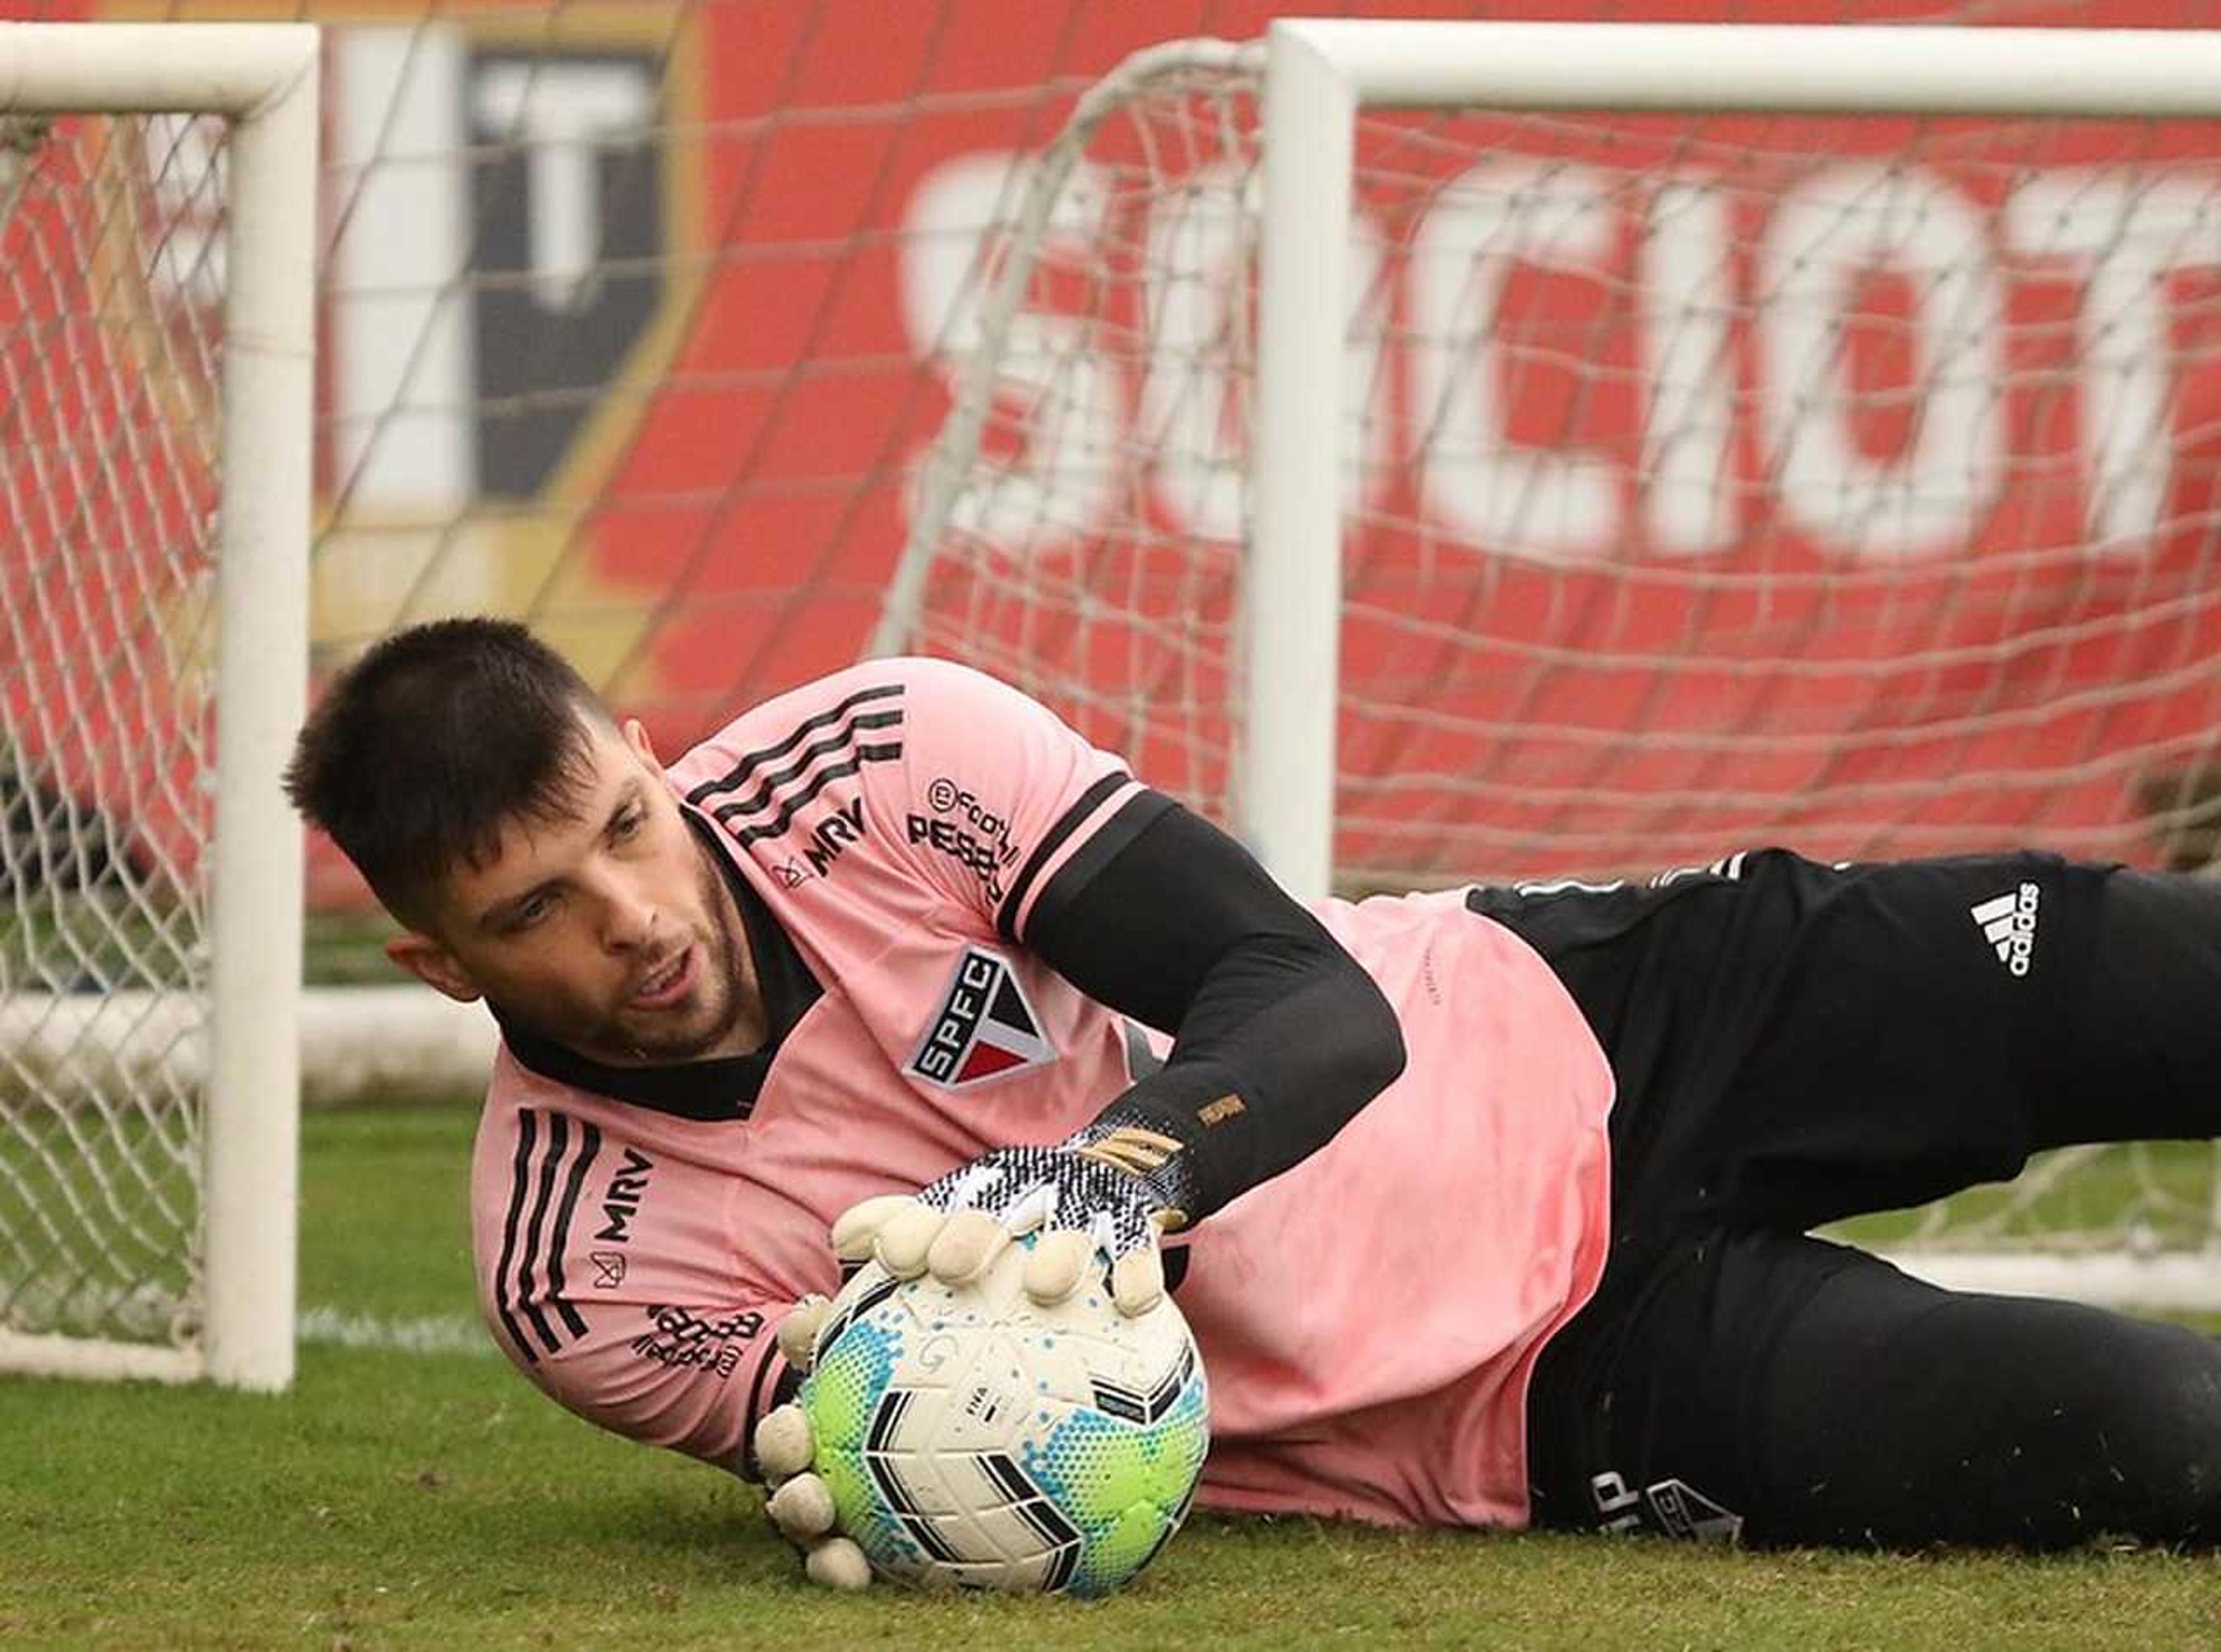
[109, 290]
[1839, 483]
[1712, 482]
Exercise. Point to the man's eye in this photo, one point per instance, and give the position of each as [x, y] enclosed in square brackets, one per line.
[628, 825]
[531, 913]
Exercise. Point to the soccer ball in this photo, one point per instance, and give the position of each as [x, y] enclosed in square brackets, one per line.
[970, 1436]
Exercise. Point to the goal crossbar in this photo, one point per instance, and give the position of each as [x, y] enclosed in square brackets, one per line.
[262, 79]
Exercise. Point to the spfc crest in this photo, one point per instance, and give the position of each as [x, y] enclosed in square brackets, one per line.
[985, 1027]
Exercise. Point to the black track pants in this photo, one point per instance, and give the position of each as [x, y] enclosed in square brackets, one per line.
[1795, 1044]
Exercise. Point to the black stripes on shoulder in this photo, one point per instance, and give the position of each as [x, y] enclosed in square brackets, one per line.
[546, 1177]
[772, 783]
[1092, 856]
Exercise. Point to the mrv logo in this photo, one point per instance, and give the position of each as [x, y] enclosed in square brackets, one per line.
[620, 1200]
[844, 826]
[826, 842]
[985, 1027]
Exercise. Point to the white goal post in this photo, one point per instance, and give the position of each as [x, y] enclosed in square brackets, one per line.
[261, 80]
[1319, 74]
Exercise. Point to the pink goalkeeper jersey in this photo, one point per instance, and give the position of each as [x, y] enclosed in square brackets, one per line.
[1369, 1319]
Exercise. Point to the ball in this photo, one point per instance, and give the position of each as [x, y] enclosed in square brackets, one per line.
[972, 1436]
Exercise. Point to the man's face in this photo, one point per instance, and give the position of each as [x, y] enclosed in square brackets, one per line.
[609, 932]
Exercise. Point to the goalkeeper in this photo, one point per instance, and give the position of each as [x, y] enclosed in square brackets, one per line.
[1488, 1207]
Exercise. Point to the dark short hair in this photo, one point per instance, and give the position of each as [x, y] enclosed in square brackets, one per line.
[425, 748]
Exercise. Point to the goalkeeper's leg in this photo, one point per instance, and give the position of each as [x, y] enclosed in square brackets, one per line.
[1797, 1042]
[1804, 1042]
[1796, 1392]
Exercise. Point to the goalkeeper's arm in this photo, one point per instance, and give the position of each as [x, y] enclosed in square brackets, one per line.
[1279, 1036]
[1278, 1039]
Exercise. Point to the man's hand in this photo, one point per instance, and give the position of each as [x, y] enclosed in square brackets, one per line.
[1103, 1197]
[800, 1504]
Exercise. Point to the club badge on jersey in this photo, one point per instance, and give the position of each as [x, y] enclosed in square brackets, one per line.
[985, 1027]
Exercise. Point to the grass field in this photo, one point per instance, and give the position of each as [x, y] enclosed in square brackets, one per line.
[413, 1491]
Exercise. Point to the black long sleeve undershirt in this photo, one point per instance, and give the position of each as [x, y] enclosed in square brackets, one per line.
[1184, 931]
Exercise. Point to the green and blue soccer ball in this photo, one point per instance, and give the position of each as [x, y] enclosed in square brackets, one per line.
[970, 1436]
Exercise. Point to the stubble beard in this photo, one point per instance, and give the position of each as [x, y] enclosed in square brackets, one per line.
[618, 1037]
[719, 988]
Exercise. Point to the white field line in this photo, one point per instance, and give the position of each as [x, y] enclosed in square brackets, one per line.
[435, 1334]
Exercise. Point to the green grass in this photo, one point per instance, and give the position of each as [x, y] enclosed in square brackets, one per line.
[63, 941]
[395, 1499]
[2162, 1190]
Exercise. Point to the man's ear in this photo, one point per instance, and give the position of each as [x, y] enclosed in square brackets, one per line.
[635, 733]
[434, 965]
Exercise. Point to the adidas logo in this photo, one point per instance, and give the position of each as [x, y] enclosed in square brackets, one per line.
[2009, 924]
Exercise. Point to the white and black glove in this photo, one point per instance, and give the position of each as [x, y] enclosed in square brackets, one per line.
[800, 1504]
[1100, 1198]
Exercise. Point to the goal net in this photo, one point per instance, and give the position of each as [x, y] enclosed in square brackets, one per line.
[147, 981]
[1704, 481]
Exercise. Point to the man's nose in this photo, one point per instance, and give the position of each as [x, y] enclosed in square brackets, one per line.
[628, 916]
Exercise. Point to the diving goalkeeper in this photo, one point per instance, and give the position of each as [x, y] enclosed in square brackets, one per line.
[1488, 1207]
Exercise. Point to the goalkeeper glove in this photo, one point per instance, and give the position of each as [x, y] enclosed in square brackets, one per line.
[1104, 1195]
[800, 1504]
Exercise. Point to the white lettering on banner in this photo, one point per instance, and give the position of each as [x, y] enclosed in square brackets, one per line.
[1554, 504]
[2125, 233]
[402, 348]
[1201, 298]
[1705, 301]
[1840, 223]
[1062, 485]
[1685, 286]
[560, 112]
